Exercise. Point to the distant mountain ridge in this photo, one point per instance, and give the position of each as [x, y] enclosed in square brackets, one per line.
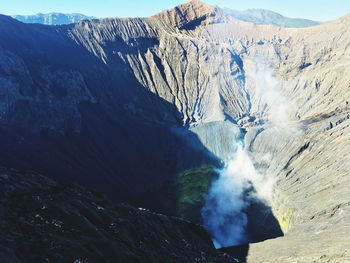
[256, 16]
[52, 18]
[268, 17]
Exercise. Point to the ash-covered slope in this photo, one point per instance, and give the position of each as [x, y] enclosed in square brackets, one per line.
[108, 102]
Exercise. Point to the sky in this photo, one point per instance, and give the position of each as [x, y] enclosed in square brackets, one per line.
[321, 10]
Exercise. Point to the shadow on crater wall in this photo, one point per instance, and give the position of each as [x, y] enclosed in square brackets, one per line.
[239, 252]
[262, 225]
[126, 145]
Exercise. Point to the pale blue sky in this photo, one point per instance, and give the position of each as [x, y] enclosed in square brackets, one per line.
[322, 10]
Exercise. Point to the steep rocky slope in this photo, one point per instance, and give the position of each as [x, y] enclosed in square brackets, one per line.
[42, 221]
[93, 98]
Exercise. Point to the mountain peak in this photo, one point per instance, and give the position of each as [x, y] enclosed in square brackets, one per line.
[188, 14]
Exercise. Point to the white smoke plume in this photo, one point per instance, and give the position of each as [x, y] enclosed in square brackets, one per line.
[224, 211]
[268, 93]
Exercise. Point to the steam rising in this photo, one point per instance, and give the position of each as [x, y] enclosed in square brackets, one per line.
[268, 93]
[224, 213]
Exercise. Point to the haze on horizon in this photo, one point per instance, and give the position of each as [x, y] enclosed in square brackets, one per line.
[319, 10]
